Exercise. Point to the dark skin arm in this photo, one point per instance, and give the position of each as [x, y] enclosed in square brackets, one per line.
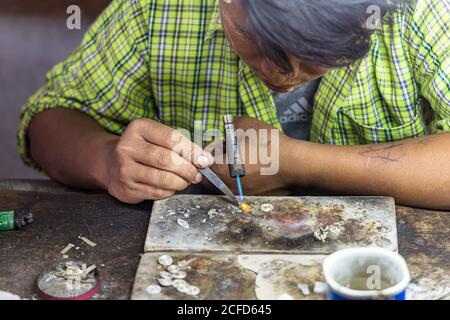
[64, 156]
[254, 182]
[415, 172]
[82, 154]
[140, 165]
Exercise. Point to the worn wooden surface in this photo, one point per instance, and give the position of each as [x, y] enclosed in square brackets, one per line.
[120, 233]
[424, 240]
[35, 185]
[59, 218]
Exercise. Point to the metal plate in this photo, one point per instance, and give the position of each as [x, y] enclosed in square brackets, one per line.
[51, 286]
[215, 225]
[232, 277]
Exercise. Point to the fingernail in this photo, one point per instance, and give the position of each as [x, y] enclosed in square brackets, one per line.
[198, 178]
[203, 161]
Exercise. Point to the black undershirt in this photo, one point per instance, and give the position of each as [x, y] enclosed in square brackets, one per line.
[294, 110]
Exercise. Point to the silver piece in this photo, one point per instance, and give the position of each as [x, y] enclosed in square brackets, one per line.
[304, 288]
[178, 282]
[180, 274]
[89, 270]
[193, 291]
[321, 234]
[173, 268]
[285, 296]
[67, 248]
[183, 223]
[267, 207]
[165, 282]
[320, 288]
[87, 241]
[212, 212]
[184, 264]
[183, 288]
[165, 260]
[153, 289]
[165, 275]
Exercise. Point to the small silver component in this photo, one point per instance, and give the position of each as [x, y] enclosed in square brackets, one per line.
[165, 260]
[183, 223]
[165, 282]
[153, 289]
[267, 207]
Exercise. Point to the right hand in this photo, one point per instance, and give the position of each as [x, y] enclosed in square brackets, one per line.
[151, 161]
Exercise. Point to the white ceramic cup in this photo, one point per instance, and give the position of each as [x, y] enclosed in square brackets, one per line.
[378, 272]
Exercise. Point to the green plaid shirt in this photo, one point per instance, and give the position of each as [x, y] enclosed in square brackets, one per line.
[169, 60]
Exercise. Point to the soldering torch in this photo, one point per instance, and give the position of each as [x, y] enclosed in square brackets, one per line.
[234, 155]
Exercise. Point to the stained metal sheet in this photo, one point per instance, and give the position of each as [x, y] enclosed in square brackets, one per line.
[222, 276]
[318, 225]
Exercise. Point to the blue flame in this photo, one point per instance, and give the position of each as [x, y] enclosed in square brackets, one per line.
[239, 186]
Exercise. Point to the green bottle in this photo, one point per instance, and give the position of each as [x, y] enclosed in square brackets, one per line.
[8, 221]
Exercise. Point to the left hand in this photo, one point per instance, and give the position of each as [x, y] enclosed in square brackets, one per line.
[261, 155]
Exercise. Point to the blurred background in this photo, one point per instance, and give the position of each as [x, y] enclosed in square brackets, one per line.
[33, 38]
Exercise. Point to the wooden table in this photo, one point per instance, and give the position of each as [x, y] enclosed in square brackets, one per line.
[61, 215]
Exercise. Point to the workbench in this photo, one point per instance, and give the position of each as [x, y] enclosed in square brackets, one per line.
[62, 214]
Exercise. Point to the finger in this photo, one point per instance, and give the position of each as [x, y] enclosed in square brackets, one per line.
[166, 137]
[216, 148]
[158, 178]
[143, 191]
[166, 160]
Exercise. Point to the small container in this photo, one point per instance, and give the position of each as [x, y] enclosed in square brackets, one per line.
[51, 286]
[10, 221]
[366, 274]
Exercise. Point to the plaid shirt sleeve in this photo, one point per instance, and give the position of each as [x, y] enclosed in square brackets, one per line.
[400, 90]
[428, 36]
[105, 76]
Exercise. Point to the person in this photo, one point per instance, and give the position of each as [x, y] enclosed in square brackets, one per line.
[107, 117]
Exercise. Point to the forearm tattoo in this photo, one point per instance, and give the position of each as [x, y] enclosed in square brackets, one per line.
[385, 153]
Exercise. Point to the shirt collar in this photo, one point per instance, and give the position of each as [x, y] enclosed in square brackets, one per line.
[216, 23]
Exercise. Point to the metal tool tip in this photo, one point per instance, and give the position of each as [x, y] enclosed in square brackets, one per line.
[228, 118]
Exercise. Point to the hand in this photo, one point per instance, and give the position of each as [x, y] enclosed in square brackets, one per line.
[151, 161]
[262, 157]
